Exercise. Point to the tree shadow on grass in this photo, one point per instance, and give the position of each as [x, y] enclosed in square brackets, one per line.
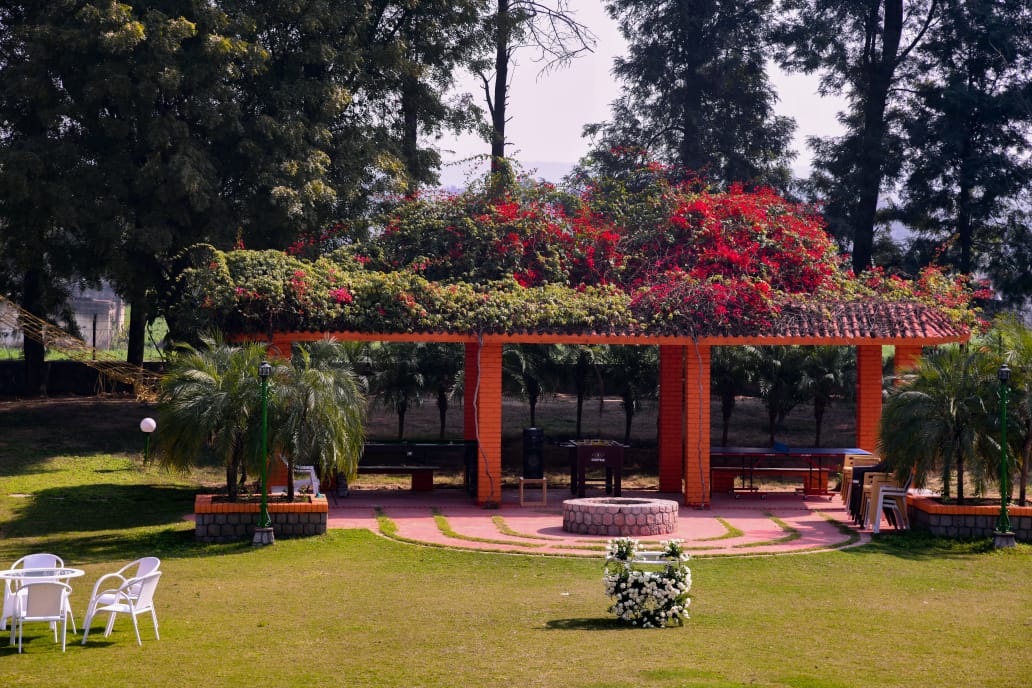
[920, 545]
[168, 543]
[586, 624]
[99, 506]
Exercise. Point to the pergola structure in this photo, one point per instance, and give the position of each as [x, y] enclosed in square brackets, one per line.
[684, 399]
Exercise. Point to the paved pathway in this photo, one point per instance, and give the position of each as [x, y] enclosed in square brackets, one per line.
[749, 526]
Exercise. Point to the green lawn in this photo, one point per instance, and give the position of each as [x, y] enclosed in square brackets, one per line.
[355, 609]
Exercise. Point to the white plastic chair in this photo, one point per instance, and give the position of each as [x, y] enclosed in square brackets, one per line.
[134, 596]
[45, 602]
[892, 499]
[39, 560]
[134, 569]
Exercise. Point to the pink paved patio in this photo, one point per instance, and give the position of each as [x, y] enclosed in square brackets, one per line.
[780, 523]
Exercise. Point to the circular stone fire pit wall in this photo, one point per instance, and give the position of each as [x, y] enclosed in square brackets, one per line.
[618, 516]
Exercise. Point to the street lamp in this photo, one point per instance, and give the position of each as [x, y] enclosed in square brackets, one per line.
[1004, 536]
[147, 425]
[264, 370]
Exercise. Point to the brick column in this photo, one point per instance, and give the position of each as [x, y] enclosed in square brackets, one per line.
[470, 372]
[868, 395]
[280, 348]
[671, 413]
[906, 358]
[697, 428]
[488, 424]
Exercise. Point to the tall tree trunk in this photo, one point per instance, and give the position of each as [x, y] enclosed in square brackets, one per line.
[960, 479]
[1026, 454]
[33, 351]
[818, 417]
[628, 405]
[138, 312]
[964, 228]
[580, 411]
[232, 471]
[401, 407]
[727, 407]
[533, 388]
[500, 172]
[442, 408]
[290, 480]
[880, 71]
[410, 133]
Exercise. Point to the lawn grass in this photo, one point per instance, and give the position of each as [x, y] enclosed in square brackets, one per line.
[355, 609]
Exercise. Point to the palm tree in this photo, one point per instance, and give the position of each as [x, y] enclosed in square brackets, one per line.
[316, 412]
[397, 378]
[582, 359]
[730, 371]
[941, 419]
[211, 398]
[779, 372]
[824, 375]
[526, 365]
[636, 369]
[441, 364]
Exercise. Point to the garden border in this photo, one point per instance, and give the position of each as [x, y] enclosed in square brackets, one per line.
[235, 521]
[967, 521]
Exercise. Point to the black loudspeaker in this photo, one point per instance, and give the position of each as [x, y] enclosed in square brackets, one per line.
[533, 453]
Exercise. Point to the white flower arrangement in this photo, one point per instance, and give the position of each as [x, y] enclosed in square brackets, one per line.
[650, 599]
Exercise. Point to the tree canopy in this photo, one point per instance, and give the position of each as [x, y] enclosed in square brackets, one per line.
[695, 92]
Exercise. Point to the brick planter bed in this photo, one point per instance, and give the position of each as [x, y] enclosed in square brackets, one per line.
[620, 517]
[236, 521]
[968, 521]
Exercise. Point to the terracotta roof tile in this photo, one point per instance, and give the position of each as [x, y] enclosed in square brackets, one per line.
[867, 319]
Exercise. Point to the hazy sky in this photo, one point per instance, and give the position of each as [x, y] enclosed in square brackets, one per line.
[548, 111]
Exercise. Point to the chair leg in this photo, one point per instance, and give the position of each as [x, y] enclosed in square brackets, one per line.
[136, 627]
[110, 624]
[154, 616]
[70, 616]
[86, 623]
[877, 515]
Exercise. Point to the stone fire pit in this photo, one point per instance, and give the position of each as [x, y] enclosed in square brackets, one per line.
[620, 516]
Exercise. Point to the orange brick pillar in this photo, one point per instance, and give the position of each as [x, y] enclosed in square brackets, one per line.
[697, 427]
[906, 358]
[470, 372]
[868, 395]
[280, 348]
[671, 413]
[488, 425]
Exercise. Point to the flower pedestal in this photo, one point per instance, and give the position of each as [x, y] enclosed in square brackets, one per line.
[648, 588]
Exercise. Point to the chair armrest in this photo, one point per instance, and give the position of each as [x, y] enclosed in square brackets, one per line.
[96, 586]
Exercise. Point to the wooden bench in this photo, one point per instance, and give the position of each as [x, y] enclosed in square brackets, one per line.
[422, 476]
[398, 456]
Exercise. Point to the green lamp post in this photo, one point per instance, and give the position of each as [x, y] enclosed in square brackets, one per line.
[263, 533]
[1003, 536]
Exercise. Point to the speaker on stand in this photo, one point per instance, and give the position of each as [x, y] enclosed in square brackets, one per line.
[533, 453]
